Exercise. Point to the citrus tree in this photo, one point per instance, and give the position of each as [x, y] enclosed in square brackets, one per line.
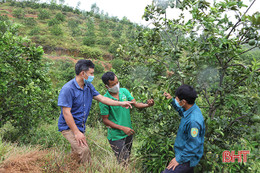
[208, 51]
[27, 97]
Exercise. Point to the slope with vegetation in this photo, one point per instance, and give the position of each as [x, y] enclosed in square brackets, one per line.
[67, 30]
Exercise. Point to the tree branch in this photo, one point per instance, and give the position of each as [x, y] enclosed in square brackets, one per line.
[159, 61]
[240, 54]
[205, 95]
[232, 122]
[239, 20]
[220, 62]
[240, 81]
[236, 65]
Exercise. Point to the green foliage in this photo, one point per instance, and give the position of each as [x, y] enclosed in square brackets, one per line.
[99, 69]
[23, 82]
[19, 13]
[60, 17]
[90, 52]
[227, 82]
[46, 136]
[104, 41]
[35, 30]
[74, 27]
[53, 22]
[44, 14]
[117, 64]
[56, 30]
[4, 17]
[89, 40]
[30, 21]
[4, 149]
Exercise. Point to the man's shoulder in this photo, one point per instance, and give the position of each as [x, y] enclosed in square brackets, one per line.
[124, 90]
[197, 118]
[69, 84]
[107, 94]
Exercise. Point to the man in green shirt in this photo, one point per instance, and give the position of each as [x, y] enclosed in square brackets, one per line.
[118, 120]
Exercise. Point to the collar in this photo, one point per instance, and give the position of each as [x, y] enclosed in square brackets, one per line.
[109, 95]
[187, 112]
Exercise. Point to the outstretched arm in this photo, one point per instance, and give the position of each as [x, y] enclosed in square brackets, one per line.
[179, 110]
[143, 105]
[110, 102]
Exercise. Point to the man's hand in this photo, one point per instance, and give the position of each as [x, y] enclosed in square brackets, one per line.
[150, 102]
[81, 139]
[126, 104]
[167, 95]
[128, 131]
[173, 163]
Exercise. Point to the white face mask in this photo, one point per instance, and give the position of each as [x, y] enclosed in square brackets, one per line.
[114, 89]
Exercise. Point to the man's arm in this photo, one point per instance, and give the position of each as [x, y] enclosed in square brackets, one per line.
[110, 102]
[80, 137]
[179, 110]
[143, 105]
[113, 125]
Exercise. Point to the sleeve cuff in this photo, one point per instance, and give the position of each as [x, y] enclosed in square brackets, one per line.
[172, 101]
[178, 159]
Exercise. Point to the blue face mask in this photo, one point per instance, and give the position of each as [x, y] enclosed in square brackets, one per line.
[177, 104]
[89, 80]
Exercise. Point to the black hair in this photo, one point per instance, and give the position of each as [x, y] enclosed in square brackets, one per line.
[187, 93]
[83, 65]
[108, 76]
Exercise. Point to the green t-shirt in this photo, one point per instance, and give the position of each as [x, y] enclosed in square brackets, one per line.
[117, 114]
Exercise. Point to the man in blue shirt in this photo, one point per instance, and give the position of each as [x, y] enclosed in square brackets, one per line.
[75, 100]
[189, 142]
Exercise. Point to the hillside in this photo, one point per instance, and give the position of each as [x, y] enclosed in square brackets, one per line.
[62, 30]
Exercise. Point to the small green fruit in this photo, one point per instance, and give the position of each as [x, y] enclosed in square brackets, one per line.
[251, 42]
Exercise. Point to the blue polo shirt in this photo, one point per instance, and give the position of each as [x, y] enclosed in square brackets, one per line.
[79, 100]
[190, 136]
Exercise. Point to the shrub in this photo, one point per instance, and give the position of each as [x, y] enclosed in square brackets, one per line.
[104, 41]
[56, 30]
[25, 90]
[90, 52]
[99, 68]
[60, 17]
[53, 22]
[18, 13]
[89, 40]
[4, 18]
[43, 14]
[30, 21]
[116, 34]
[34, 31]
[117, 64]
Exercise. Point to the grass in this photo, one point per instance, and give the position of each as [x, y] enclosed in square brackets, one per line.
[46, 150]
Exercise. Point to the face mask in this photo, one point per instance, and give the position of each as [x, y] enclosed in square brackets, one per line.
[177, 104]
[89, 80]
[114, 89]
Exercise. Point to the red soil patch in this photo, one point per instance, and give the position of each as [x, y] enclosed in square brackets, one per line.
[31, 15]
[8, 15]
[6, 10]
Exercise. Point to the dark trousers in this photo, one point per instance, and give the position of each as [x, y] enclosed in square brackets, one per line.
[181, 168]
[122, 148]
